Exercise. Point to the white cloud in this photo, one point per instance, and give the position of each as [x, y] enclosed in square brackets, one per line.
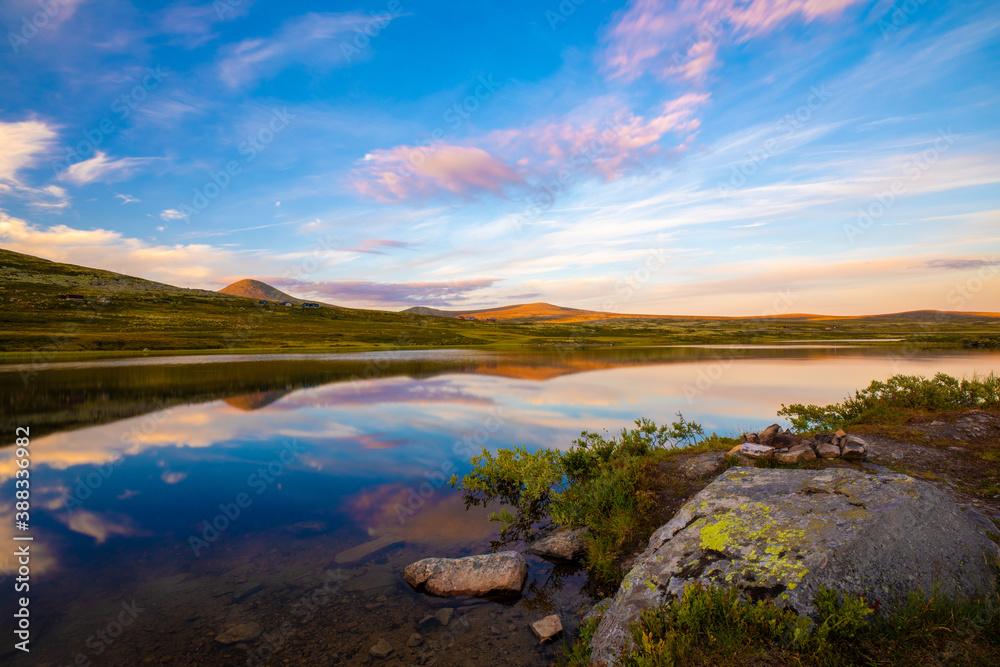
[172, 214]
[22, 145]
[102, 168]
[127, 199]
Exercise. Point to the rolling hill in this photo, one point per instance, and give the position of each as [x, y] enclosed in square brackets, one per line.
[255, 289]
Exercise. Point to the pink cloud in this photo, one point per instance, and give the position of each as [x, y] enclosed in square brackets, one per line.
[408, 172]
[595, 139]
[681, 38]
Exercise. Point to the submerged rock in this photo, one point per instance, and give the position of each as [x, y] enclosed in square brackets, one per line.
[562, 544]
[783, 534]
[241, 632]
[382, 649]
[489, 574]
[548, 628]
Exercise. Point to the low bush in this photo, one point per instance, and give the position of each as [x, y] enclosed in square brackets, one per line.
[896, 399]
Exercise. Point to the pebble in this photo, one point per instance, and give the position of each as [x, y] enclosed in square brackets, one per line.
[382, 649]
[415, 640]
[444, 615]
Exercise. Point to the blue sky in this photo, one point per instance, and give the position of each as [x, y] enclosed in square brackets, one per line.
[726, 157]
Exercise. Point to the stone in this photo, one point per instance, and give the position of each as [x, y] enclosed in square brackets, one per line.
[764, 437]
[563, 545]
[797, 454]
[444, 615]
[499, 574]
[783, 534]
[382, 649]
[241, 632]
[414, 640]
[428, 622]
[827, 450]
[854, 448]
[750, 437]
[703, 465]
[840, 433]
[756, 451]
[243, 591]
[736, 449]
[548, 628]
[784, 439]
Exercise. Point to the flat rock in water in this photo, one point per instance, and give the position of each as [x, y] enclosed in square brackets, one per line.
[562, 544]
[362, 551]
[242, 632]
[444, 615]
[548, 628]
[500, 574]
[755, 451]
[382, 649]
[783, 534]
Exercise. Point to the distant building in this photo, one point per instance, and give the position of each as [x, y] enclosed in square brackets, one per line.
[310, 305]
[72, 297]
[262, 302]
[471, 317]
[288, 303]
[491, 319]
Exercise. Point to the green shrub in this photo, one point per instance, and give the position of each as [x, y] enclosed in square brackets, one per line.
[609, 485]
[891, 401]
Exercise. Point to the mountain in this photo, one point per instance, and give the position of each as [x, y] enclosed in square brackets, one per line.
[255, 289]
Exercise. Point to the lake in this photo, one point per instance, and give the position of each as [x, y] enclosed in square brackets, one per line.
[173, 498]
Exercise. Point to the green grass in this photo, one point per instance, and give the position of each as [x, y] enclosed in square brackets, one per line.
[125, 314]
[717, 626]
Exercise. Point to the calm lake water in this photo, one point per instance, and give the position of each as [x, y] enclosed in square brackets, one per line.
[324, 476]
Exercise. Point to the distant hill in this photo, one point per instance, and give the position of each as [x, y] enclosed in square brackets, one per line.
[255, 289]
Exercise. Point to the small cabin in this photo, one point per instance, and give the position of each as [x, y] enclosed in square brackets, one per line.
[310, 305]
[262, 302]
[288, 304]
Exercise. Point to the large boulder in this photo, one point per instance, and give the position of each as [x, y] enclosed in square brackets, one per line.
[499, 574]
[782, 534]
[563, 544]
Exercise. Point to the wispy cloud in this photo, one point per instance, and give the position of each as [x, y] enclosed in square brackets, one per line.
[126, 199]
[394, 294]
[681, 39]
[103, 169]
[317, 39]
[378, 246]
[172, 214]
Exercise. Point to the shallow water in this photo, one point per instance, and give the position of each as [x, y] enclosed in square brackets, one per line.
[324, 475]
